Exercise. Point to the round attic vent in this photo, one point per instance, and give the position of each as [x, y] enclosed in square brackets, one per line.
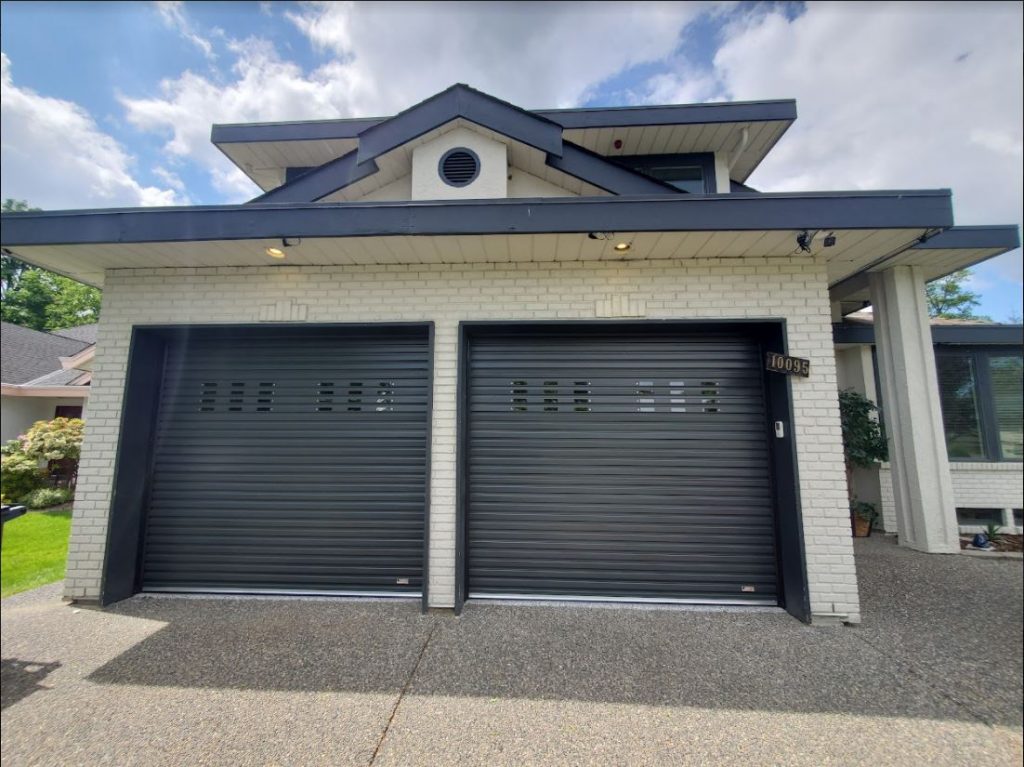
[459, 166]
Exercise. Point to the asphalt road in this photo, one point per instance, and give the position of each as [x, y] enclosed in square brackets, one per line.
[932, 676]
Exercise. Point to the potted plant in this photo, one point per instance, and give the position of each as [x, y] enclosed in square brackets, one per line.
[864, 445]
[862, 517]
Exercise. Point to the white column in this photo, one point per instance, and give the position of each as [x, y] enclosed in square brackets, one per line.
[922, 485]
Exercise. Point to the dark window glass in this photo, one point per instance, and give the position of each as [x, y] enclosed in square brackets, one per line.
[958, 393]
[1018, 517]
[68, 411]
[979, 516]
[1007, 385]
[688, 178]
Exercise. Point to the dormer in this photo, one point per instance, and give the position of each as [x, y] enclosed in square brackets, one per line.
[685, 149]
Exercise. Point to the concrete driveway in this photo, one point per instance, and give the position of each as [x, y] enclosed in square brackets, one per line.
[932, 676]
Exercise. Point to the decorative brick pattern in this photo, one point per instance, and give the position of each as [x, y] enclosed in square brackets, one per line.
[791, 288]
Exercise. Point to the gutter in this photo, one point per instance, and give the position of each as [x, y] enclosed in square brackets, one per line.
[26, 390]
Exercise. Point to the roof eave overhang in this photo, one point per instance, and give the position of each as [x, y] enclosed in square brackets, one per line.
[24, 390]
[862, 333]
[569, 119]
[925, 209]
[961, 246]
[76, 361]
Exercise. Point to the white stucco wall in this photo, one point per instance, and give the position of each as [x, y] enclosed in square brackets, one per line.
[523, 184]
[400, 189]
[790, 287]
[492, 181]
[17, 414]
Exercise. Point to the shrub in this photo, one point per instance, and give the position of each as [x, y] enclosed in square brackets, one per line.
[45, 497]
[19, 475]
[994, 532]
[54, 440]
[863, 441]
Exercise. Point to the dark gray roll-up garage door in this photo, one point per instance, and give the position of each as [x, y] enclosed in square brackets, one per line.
[629, 464]
[290, 460]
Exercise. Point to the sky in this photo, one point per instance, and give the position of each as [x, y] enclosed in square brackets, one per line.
[107, 105]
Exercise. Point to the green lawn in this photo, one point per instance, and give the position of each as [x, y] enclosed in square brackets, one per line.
[35, 549]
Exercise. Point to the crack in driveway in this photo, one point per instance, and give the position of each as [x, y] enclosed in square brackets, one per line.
[401, 695]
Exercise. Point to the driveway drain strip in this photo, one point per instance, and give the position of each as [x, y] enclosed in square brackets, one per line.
[401, 695]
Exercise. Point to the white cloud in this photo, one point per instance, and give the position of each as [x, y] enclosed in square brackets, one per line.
[53, 154]
[549, 54]
[897, 96]
[172, 12]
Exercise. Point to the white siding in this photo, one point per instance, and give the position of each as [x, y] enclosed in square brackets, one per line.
[17, 414]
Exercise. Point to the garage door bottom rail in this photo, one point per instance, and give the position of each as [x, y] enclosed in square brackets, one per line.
[226, 591]
[625, 600]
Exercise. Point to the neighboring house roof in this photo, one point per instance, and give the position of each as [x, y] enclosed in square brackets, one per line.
[84, 333]
[32, 358]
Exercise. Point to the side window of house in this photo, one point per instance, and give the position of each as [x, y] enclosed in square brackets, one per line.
[686, 178]
[980, 391]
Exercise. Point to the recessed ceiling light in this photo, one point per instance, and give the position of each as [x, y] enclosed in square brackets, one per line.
[622, 247]
[275, 252]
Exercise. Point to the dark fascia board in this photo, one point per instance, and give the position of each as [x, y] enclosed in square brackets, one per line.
[1006, 237]
[613, 117]
[923, 209]
[455, 102]
[576, 161]
[602, 172]
[322, 181]
[974, 335]
[674, 114]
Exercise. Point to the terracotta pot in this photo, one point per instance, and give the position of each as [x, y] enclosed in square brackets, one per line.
[861, 526]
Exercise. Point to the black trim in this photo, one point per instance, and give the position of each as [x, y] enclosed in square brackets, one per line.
[837, 210]
[461, 404]
[795, 595]
[290, 174]
[460, 101]
[320, 182]
[122, 554]
[782, 110]
[988, 423]
[425, 600]
[604, 173]
[973, 238]
[575, 161]
[864, 333]
[133, 469]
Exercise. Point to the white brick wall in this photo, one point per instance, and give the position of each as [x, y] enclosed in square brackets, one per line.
[975, 485]
[790, 288]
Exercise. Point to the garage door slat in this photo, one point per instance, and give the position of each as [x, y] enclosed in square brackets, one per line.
[290, 459]
[617, 463]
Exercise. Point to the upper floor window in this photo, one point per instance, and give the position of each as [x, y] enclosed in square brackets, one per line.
[981, 394]
[687, 178]
[692, 173]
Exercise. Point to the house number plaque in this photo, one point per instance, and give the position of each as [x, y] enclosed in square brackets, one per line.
[781, 363]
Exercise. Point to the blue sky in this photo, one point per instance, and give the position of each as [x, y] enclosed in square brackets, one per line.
[111, 104]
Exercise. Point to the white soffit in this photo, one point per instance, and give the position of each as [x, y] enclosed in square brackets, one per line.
[855, 250]
[265, 161]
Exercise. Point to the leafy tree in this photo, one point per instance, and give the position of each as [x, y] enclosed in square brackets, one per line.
[949, 298]
[36, 298]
